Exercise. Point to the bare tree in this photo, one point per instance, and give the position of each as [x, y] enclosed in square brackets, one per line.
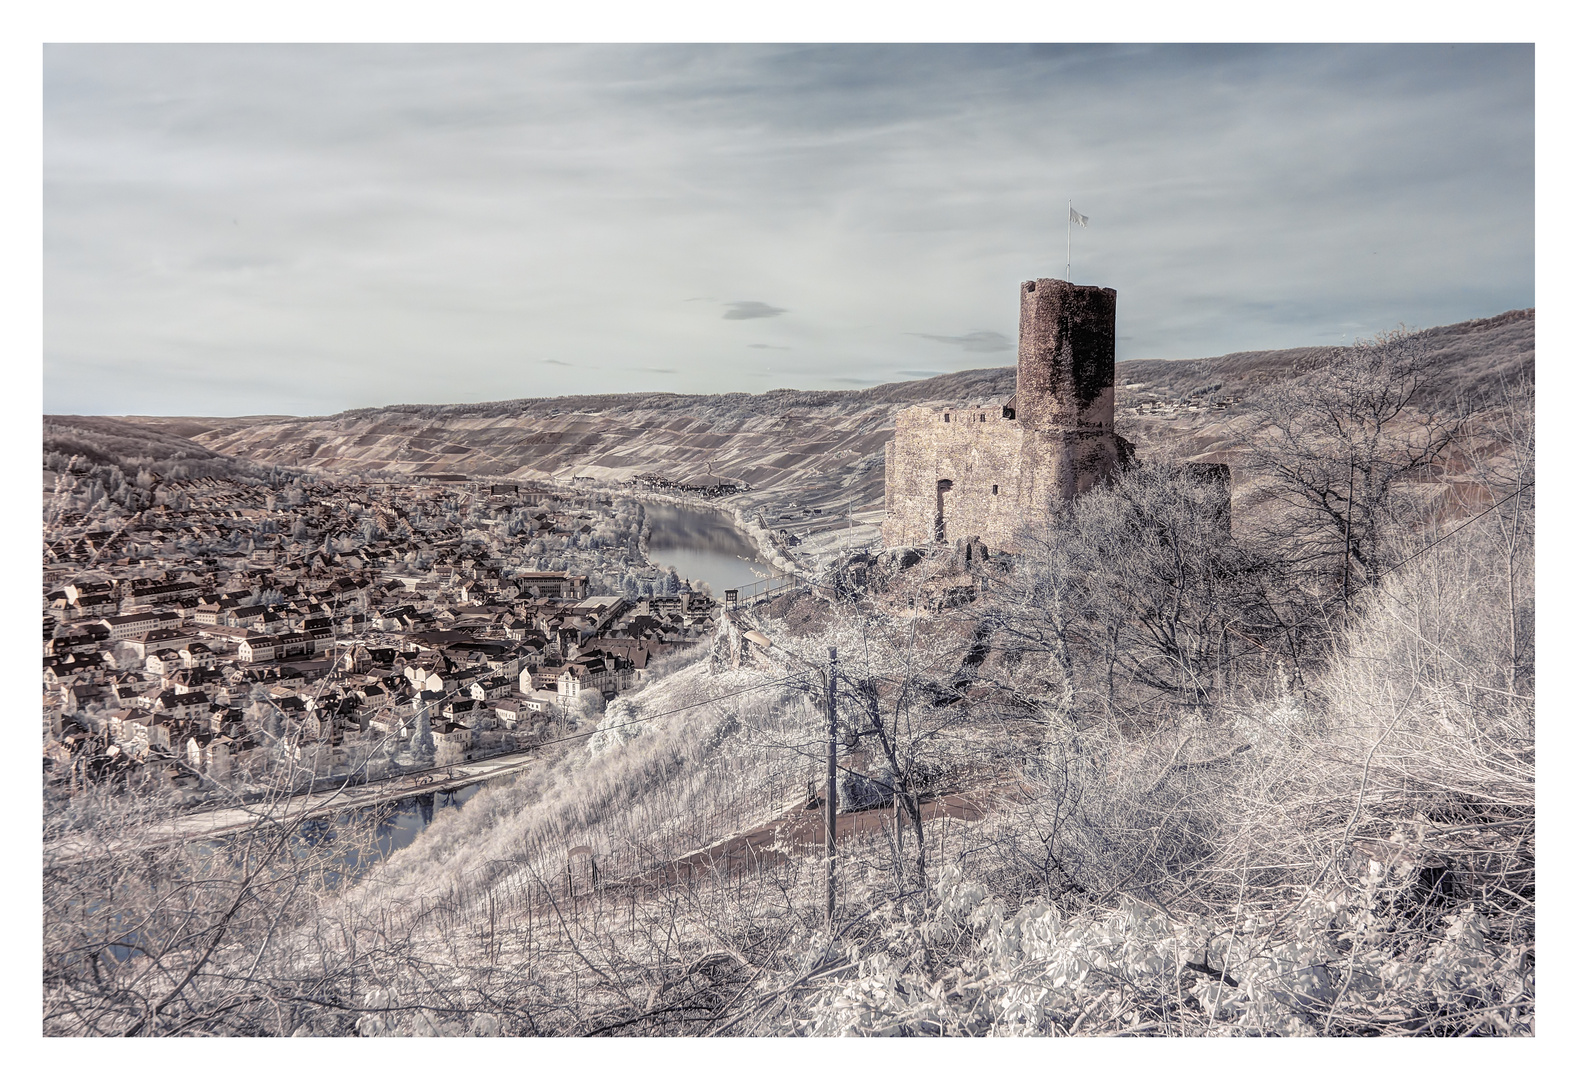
[1336, 445]
[1137, 594]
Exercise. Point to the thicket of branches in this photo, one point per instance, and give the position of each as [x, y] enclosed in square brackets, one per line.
[1166, 775]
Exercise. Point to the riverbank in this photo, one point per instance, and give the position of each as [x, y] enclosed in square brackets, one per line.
[818, 537]
[225, 821]
[821, 528]
[761, 539]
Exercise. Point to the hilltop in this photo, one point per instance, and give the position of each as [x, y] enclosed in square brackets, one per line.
[811, 461]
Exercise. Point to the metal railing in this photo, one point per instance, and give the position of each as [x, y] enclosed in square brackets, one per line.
[762, 590]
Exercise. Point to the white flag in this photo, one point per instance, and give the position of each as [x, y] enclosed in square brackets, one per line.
[1076, 218]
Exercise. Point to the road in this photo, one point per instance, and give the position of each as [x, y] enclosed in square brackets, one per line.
[225, 820]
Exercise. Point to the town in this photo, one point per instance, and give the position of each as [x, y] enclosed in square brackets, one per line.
[201, 632]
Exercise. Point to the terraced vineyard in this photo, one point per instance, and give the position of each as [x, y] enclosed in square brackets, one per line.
[811, 461]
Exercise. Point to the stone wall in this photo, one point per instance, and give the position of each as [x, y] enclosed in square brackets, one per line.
[988, 471]
[952, 472]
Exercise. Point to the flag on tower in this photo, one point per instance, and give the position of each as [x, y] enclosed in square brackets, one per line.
[1076, 218]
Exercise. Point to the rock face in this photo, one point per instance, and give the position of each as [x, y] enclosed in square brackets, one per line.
[988, 472]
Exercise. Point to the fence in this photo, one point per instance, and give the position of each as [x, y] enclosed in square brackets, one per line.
[764, 589]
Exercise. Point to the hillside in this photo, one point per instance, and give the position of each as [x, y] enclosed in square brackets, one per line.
[813, 460]
[1108, 786]
[133, 444]
[1202, 400]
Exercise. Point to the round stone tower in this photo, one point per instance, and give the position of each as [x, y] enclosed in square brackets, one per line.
[965, 470]
[1067, 349]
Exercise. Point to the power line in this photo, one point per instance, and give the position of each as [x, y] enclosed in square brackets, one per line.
[1454, 532]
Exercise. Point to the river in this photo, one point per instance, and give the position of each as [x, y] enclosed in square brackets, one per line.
[399, 825]
[704, 546]
[394, 825]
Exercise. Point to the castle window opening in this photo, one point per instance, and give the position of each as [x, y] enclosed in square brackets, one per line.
[983, 418]
[994, 489]
[945, 418]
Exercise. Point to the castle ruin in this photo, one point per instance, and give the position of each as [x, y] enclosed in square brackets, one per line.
[961, 471]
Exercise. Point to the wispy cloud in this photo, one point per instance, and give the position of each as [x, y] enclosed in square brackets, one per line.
[751, 309]
[391, 223]
[759, 345]
[920, 374]
[974, 341]
[557, 363]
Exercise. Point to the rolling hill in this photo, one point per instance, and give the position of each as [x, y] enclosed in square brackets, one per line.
[812, 460]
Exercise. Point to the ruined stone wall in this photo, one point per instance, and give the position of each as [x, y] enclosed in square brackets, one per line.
[988, 472]
[942, 467]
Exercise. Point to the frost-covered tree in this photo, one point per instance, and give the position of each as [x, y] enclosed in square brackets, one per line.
[422, 745]
[1341, 444]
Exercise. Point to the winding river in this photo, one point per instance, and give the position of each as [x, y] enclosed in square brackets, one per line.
[704, 546]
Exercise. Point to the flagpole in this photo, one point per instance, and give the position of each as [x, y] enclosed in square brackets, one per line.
[1068, 234]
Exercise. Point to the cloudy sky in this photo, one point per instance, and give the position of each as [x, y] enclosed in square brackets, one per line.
[303, 229]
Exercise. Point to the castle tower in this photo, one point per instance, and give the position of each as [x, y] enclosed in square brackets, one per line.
[1067, 349]
[970, 470]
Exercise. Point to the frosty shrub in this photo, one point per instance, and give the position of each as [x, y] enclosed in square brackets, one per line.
[617, 728]
[1325, 967]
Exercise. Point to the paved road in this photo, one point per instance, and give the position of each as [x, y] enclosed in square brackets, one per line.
[222, 821]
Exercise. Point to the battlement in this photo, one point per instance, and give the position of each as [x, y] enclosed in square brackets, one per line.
[957, 414]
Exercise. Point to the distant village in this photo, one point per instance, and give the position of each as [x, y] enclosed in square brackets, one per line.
[204, 631]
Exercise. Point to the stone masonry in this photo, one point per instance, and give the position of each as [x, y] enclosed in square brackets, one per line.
[970, 470]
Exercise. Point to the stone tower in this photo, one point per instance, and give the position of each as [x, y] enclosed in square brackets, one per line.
[988, 471]
[1063, 397]
[1067, 346]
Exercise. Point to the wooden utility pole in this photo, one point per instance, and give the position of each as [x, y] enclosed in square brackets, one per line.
[830, 804]
[1347, 544]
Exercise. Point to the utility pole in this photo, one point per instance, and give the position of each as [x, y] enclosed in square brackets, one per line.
[1347, 545]
[830, 804]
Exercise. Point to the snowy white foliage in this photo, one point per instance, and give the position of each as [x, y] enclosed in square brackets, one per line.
[1038, 971]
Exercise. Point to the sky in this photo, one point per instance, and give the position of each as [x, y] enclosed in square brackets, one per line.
[235, 230]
